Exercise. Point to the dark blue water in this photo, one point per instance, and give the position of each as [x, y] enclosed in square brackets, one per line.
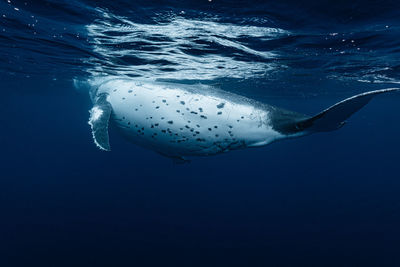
[329, 199]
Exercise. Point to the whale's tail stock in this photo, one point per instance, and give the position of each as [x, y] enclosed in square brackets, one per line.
[335, 116]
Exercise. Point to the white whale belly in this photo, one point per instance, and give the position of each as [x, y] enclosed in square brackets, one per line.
[178, 122]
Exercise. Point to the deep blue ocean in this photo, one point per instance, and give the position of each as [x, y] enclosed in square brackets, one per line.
[329, 199]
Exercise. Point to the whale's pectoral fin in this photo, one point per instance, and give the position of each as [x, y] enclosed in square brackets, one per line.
[180, 160]
[99, 119]
[334, 117]
[175, 159]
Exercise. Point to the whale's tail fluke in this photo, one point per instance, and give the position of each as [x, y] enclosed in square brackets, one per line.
[335, 116]
[332, 118]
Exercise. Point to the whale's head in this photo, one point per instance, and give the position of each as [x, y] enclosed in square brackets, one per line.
[93, 85]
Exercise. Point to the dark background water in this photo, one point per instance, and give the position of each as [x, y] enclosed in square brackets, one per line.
[330, 199]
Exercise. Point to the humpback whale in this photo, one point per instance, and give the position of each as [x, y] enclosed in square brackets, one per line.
[178, 120]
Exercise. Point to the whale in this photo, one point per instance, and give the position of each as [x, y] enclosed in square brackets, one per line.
[181, 120]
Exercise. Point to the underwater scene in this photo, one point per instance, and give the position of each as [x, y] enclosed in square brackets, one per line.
[199, 133]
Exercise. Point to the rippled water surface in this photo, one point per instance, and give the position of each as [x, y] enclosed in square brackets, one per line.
[204, 41]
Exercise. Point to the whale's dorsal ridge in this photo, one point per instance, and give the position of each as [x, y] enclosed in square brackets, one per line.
[99, 120]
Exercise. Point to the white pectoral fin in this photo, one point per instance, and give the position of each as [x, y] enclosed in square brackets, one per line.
[99, 120]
